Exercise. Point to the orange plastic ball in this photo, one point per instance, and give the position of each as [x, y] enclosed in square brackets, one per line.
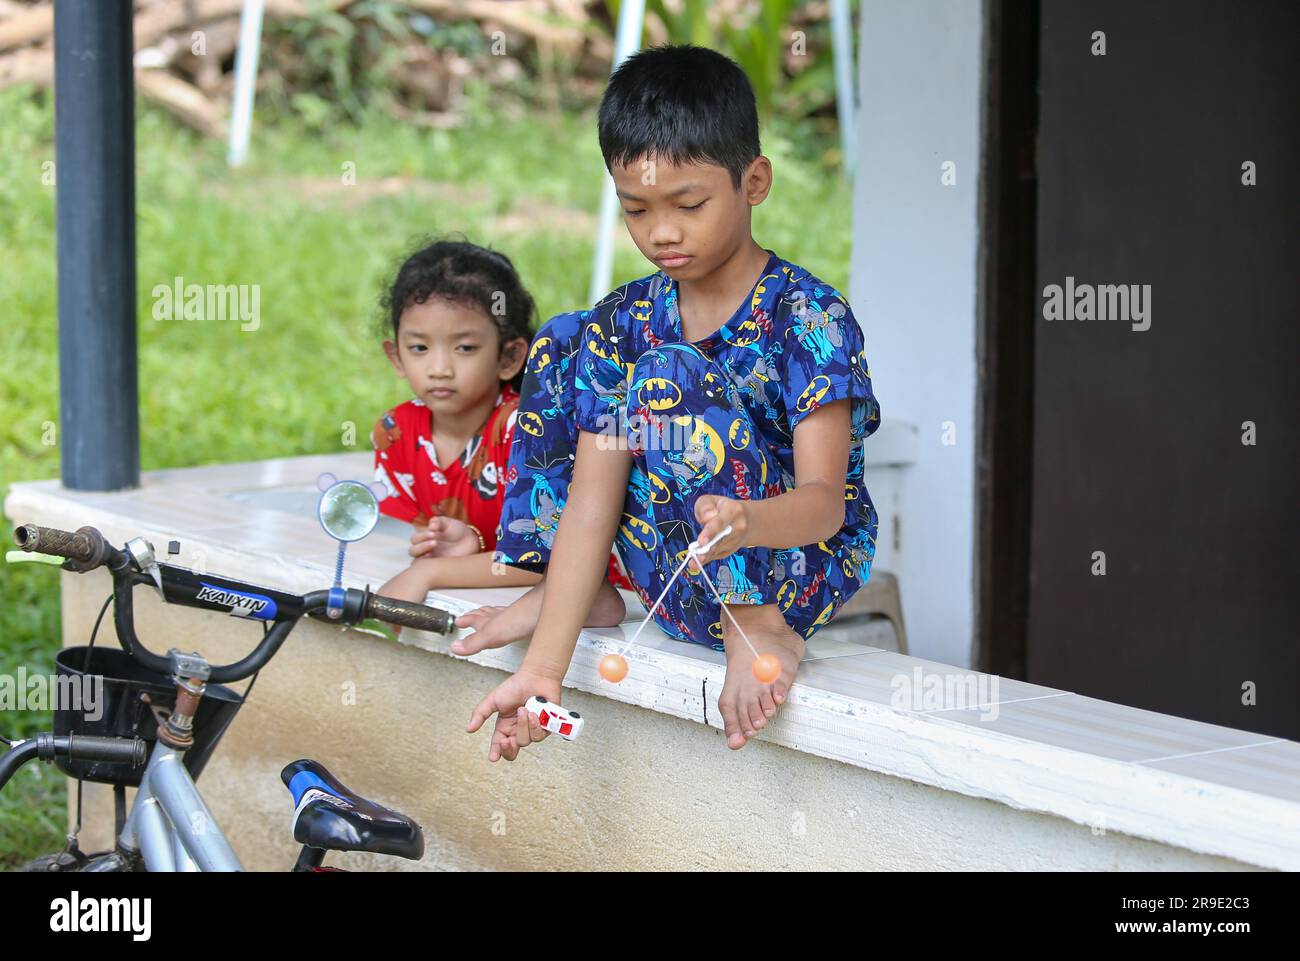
[767, 668]
[613, 667]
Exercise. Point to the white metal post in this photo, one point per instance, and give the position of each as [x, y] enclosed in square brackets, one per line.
[846, 101]
[631, 19]
[241, 110]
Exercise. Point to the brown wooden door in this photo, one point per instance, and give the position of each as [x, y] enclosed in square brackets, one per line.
[1137, 435]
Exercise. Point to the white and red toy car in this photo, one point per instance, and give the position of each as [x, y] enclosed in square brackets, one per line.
[553, 718]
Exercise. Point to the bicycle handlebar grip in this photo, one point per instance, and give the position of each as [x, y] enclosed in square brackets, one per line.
[113, 750]
[419, 616]
[85, 747]
[80, 546]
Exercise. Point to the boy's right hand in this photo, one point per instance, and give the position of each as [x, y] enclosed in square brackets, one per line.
[515, 727]
[444, 537]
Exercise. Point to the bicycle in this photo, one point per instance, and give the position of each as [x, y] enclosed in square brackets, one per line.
[167, 713]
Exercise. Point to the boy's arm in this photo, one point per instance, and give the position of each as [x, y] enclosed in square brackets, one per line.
[813, 511]
[475, 570]
[583, 539]
[581, 550]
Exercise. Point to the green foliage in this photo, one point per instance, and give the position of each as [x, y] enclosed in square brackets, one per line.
[758, 48]
[758, 43]
[332, 66]
[690, 24]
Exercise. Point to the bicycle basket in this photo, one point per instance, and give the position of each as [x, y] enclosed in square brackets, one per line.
[120, 712]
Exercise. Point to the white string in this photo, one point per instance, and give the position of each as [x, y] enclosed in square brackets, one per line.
[692, 553]
[708, 580]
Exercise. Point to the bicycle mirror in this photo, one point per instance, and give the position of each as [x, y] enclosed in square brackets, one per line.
[348, 509]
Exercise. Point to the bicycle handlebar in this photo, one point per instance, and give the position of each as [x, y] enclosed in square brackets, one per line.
[419, 616]
[86, 549]
[76, 747]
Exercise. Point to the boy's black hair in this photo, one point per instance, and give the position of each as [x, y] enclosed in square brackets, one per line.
[466, 274]
[682, 104]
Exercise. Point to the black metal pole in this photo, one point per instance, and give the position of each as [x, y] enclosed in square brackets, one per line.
[94, 140]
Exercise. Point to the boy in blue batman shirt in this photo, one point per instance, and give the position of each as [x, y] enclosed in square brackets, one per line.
[728, 389]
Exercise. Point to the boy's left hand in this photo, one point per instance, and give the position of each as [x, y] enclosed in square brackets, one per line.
[716, 513]
[515, 727]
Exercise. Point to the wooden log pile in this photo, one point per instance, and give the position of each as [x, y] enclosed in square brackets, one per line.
[184, 49]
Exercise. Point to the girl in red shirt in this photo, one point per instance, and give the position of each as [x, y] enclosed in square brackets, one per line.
[460, 322]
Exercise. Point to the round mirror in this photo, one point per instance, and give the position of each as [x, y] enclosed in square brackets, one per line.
[348, 511]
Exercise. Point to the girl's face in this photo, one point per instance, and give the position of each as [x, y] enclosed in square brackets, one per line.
[451, 355]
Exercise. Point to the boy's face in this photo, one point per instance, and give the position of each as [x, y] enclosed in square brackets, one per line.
[689, 219]
[450, 354]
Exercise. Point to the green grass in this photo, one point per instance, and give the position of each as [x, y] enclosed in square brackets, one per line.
[320, 252]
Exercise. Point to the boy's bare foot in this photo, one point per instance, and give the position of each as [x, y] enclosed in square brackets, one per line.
[746, 703]
[499, 626]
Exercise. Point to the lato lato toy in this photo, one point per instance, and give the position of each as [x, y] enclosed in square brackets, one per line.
[766, 667]
[613, 667]
[553, 718]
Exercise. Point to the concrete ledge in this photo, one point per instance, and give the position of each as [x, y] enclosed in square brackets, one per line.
[1188, 785]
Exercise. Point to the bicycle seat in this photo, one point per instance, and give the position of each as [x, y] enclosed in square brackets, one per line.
[327, 815]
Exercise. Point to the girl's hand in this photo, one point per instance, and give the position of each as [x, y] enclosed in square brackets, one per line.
[444, 537]
[717, 513]
[515, 728]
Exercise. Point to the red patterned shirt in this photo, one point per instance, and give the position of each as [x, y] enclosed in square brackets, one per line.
[470, 488]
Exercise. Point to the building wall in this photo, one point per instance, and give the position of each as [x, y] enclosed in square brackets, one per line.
[640, 791]
[913, 285]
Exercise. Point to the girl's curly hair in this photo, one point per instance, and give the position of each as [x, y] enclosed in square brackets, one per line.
[466, 274]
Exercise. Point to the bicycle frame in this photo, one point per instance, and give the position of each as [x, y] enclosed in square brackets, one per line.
[170, 826]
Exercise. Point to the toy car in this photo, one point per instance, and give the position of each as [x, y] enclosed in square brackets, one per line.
[553, 718]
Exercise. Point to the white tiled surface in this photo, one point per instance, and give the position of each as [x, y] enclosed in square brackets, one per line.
[878, 677]
[1116, 731]
[1272, 767]
[1205, 787]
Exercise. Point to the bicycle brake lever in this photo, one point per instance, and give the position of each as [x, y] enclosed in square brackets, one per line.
[31, 557]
